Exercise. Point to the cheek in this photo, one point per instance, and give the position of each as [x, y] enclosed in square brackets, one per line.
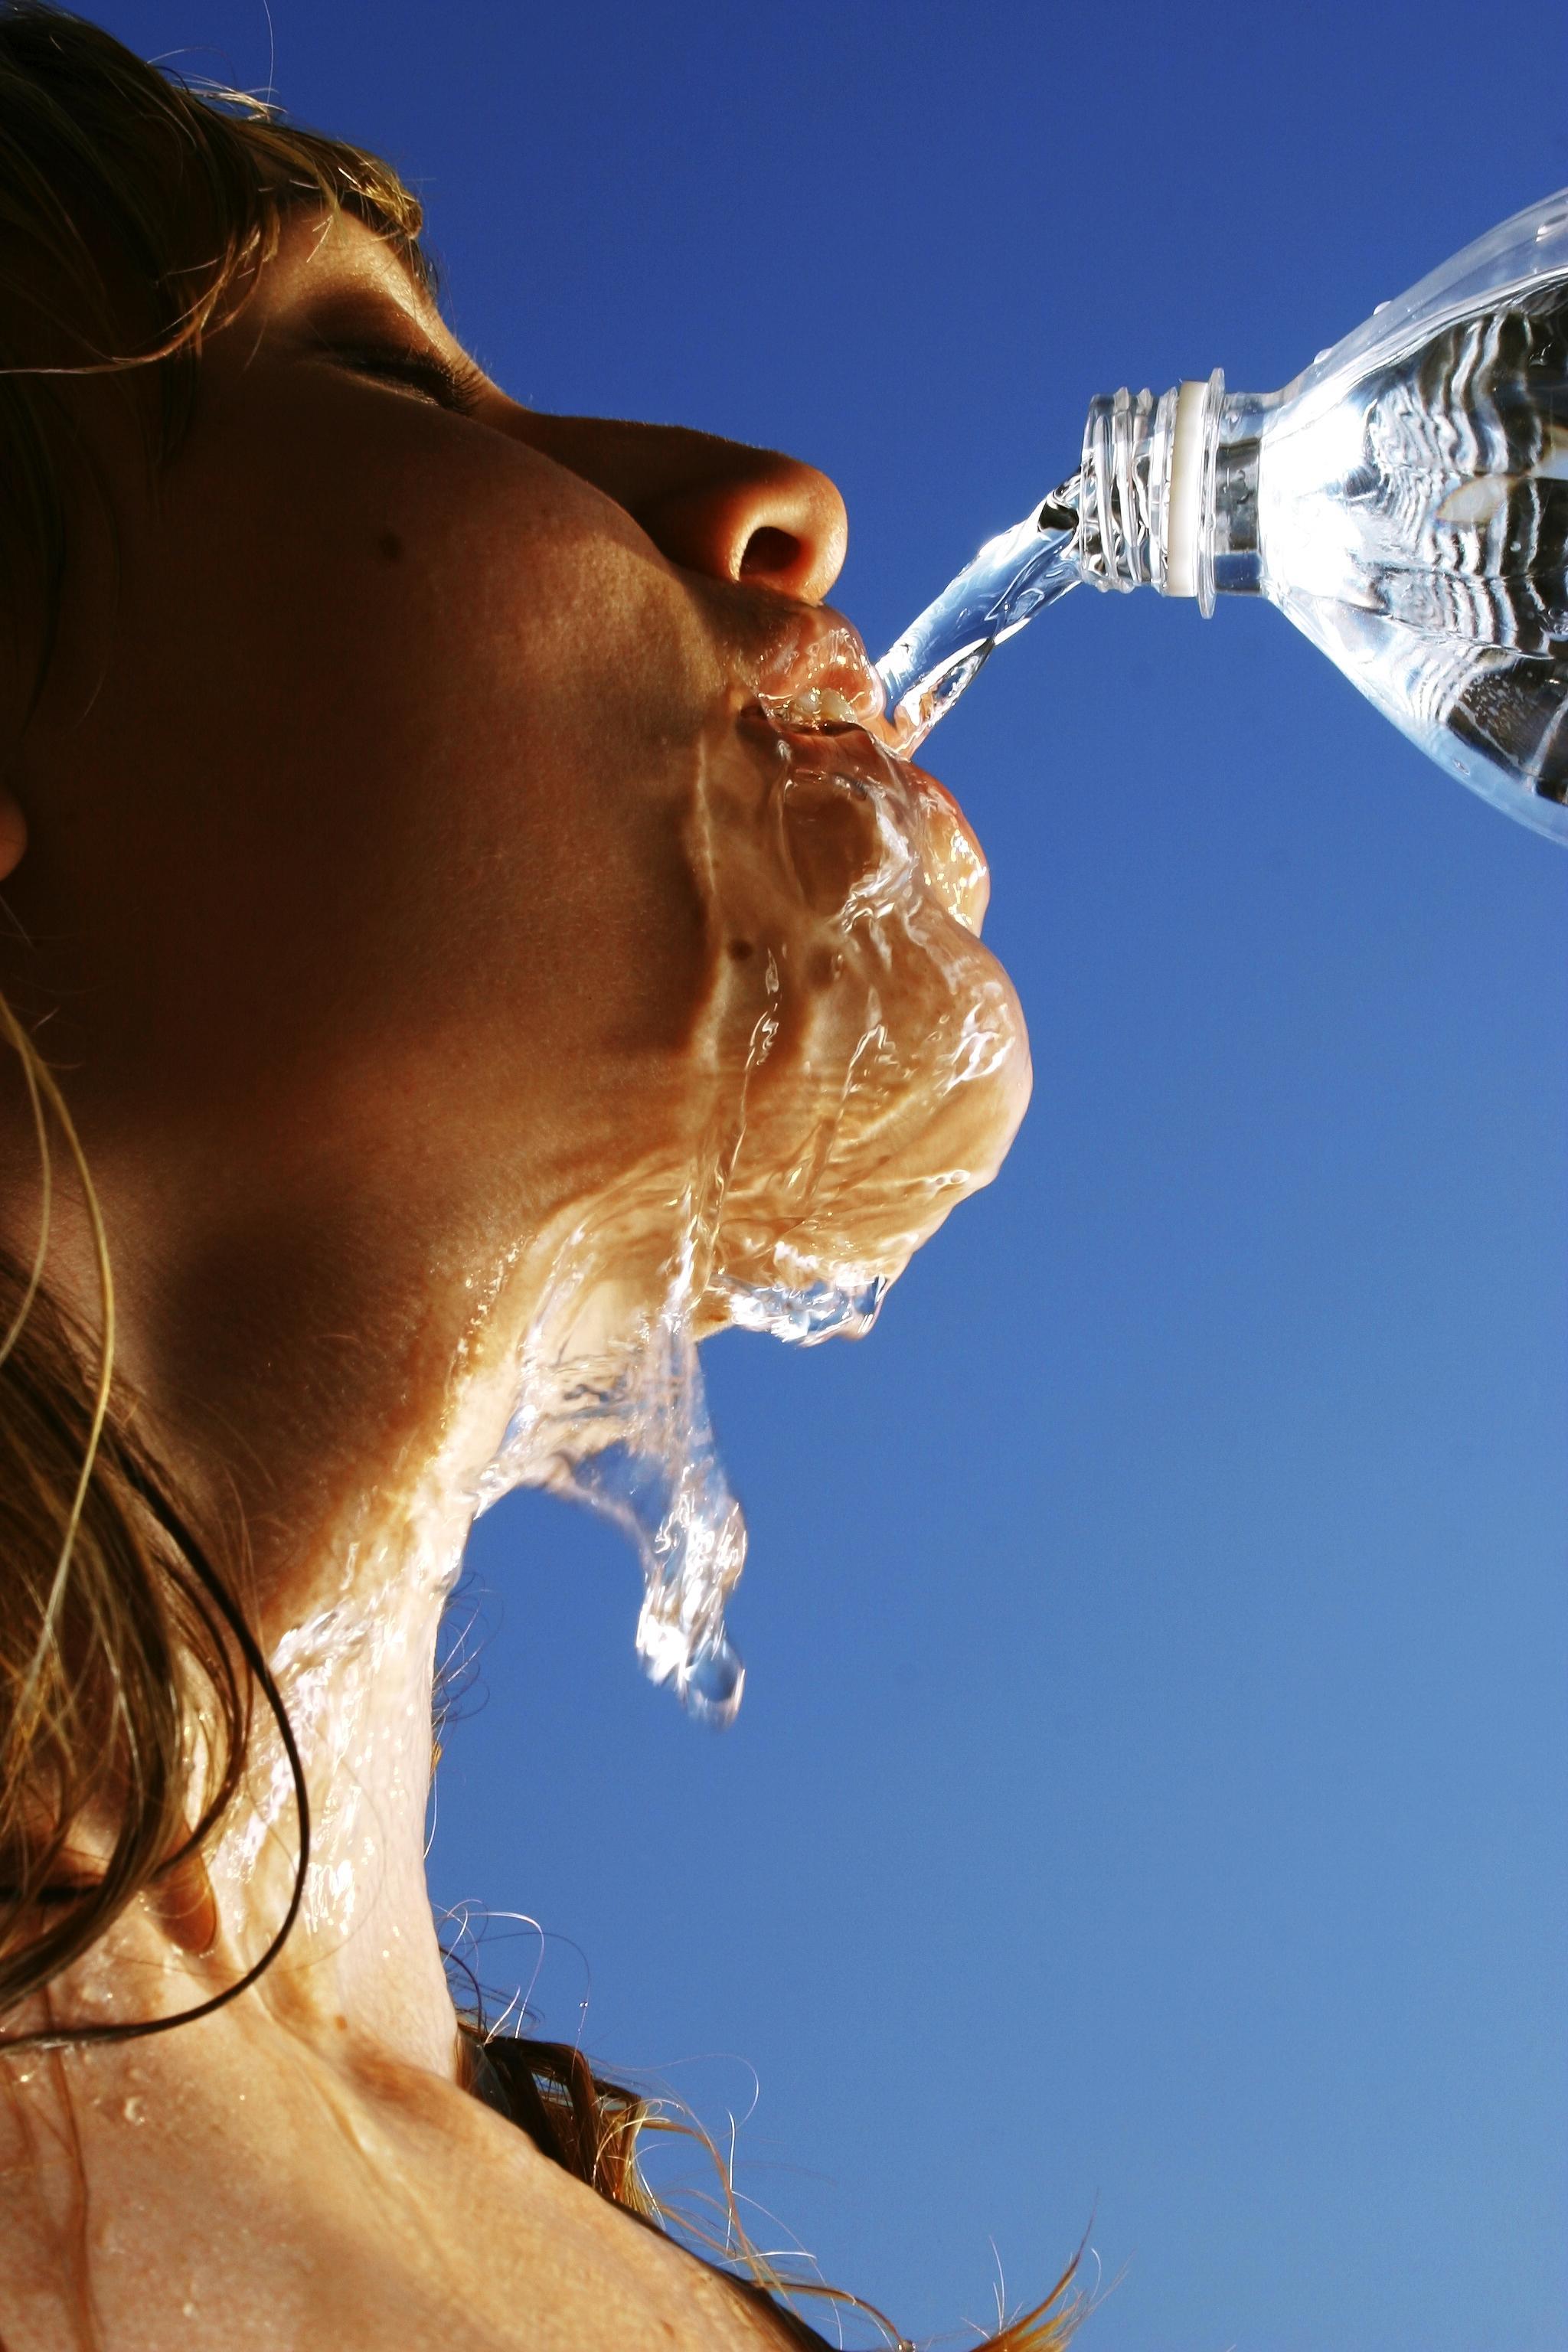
[537, 795]
[404, 769]
[524, 717]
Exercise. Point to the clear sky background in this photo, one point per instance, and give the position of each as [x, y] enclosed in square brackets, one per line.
[1147, 1808]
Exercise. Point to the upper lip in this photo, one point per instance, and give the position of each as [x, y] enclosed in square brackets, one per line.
[812, 676]
[813, 652]
[821, 707]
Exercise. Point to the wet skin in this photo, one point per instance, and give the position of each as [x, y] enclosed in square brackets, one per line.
[365, 863]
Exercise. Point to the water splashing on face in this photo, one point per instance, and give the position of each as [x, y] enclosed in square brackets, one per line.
[859, 1065]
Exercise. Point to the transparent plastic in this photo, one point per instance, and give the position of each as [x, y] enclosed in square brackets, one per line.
[1404, 501]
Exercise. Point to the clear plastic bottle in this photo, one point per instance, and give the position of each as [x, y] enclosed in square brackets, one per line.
[1404, 501]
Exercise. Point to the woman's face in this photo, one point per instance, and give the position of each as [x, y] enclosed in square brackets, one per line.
[444, 815]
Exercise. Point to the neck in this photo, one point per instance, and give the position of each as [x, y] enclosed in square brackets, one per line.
[353, 1670]
[349, 1638]
[346, 1589]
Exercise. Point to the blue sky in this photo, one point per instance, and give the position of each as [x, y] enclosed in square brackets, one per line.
[1147, 1802]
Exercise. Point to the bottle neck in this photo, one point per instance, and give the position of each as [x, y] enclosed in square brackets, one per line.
[1167, 493]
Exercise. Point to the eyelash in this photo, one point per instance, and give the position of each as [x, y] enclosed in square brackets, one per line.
[421, 372]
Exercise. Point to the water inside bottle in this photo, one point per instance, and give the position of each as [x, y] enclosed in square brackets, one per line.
[1413, 522]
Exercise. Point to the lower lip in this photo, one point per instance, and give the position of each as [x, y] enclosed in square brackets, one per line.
[955, 869]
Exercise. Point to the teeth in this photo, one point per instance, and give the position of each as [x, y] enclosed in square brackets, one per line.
[819, 706]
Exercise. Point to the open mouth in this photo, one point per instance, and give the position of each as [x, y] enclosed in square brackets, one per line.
[853, 794]
[866, 827]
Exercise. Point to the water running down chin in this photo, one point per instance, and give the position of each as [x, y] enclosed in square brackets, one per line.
[860, 1067]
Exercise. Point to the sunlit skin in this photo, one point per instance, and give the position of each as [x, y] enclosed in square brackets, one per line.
[356, 870]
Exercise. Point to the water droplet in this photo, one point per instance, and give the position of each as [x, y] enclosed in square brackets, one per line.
[824, 1310]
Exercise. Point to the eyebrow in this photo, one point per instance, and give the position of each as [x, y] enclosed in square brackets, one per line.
[344, 299]
[410, 269]
[410, 272]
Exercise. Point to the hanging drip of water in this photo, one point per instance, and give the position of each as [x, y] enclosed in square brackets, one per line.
[612, 1412]
[659, 1477]
[639, 1450]
[1404, 501]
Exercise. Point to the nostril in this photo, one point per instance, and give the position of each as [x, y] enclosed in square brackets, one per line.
[768, 552]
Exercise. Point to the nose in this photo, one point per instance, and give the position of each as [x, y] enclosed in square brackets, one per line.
[714, 505]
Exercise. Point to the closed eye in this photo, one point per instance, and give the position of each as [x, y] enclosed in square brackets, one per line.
[417, 370]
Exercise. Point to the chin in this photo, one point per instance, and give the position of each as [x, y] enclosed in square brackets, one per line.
[884, 1109]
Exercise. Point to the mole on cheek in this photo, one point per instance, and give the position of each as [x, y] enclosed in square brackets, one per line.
[389, 547]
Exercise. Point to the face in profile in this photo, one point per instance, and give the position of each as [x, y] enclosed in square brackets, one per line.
[487, 821]
[455, 857]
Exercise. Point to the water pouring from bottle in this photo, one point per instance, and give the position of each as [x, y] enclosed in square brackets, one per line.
[1404, 501]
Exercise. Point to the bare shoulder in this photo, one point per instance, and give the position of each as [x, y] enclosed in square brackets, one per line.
[309, 2215]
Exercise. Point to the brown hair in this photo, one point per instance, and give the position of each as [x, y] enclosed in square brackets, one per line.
[136, 213]
[123, 1658]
